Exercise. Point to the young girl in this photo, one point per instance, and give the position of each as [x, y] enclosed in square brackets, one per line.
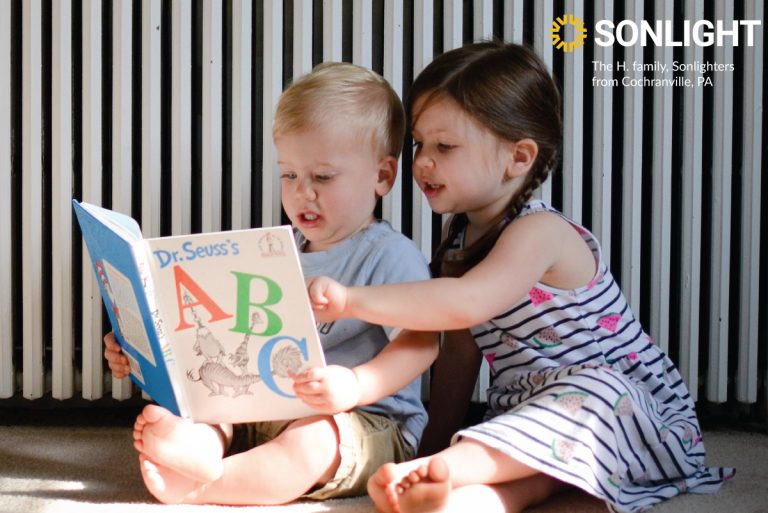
[579, 393]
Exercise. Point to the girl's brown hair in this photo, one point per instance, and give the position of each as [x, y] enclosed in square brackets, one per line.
[506, 88]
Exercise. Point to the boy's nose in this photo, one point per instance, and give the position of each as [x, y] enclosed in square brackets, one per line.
[306, 190]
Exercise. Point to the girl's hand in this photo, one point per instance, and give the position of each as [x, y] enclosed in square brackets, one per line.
[116, 360]
[328, 298]
[330, 390]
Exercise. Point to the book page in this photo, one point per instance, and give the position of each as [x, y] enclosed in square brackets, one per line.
[127, 311]
[237, 317]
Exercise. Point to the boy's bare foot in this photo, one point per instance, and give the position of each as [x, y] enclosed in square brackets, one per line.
[426, 489]
[192, 450]
[166, 485]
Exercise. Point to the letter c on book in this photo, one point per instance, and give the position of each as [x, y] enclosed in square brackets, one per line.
[265, 361]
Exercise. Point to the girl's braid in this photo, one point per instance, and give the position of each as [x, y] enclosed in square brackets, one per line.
[509, 91]
[454, 261]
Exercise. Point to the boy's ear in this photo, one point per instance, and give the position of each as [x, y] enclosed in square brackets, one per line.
[387, 175]
[522, 155]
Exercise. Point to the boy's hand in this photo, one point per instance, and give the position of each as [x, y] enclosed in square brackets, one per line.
[328, 298]
[330, 390]
[117, 361]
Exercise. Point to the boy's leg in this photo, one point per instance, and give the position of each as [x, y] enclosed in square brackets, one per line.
[193, 450]
[276, 472]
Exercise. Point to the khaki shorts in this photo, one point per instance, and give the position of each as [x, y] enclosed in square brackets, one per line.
[366, 441]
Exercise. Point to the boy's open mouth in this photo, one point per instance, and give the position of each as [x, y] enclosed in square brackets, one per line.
[309, 216]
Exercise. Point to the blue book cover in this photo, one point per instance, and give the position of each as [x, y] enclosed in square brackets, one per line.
[212, 324]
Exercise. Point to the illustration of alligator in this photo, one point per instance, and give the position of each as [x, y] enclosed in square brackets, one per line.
[216, 377]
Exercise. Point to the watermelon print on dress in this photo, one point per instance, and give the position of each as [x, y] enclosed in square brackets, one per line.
[539, 296]
[608, 444]
[489, 358]
[508, 340]
[688, 436]
[571, 401]
[563, 450]
[623, 406]
[609, 322]
[547, 337]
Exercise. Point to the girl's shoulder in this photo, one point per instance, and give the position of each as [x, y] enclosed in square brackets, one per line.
[575, 253]
[535, 206]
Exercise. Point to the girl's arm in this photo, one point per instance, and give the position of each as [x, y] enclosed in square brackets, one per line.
[335, 388]
[453, 381]
[525, 251]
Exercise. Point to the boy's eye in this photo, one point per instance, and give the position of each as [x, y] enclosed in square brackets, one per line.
[288, 176]
[323, 178]
[417, 144]
[443, 148]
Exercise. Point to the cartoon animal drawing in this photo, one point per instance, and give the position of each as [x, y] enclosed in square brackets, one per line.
[216, 377]
[207, 345]
[239, 359]
[287, 362]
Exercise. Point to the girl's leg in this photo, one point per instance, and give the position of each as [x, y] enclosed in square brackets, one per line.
[467, 471]
[276, 472]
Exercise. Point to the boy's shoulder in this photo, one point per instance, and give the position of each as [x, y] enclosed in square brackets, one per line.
[392, 255]
[383, 238]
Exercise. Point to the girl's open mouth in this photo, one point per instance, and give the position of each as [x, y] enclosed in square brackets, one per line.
[432, 189]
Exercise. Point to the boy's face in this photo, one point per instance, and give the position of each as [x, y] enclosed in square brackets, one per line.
[330, 182]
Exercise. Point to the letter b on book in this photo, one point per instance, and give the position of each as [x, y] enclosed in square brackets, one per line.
[244, 304]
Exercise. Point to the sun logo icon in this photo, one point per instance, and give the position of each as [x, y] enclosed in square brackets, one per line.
[558, 26]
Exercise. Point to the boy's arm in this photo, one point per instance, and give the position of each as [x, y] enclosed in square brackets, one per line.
[453, 381]
[398, 364]
[335, 388]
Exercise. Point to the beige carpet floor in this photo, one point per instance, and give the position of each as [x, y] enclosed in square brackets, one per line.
[71, 469]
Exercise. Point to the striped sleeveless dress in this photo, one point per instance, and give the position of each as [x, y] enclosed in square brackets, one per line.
[579, 391]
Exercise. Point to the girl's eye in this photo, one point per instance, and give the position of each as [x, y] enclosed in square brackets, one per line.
[417, 145]
[444, 148]
[288, 176]
[323, 178]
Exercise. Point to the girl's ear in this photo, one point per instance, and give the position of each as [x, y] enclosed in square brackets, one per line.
[522, 155]
[387, 175]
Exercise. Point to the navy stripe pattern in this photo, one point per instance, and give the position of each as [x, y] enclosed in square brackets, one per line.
[580, 392]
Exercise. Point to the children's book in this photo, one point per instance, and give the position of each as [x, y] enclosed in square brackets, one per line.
[213, 324]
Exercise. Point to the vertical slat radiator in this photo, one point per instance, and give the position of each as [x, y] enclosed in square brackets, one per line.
[163, 110]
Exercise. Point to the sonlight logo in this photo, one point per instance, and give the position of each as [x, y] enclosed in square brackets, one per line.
[698, 33]
[558, 33]
[654, 33]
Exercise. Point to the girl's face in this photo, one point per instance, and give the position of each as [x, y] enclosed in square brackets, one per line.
[459, 164]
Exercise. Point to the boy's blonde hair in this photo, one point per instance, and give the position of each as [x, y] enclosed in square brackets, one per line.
[344, 95]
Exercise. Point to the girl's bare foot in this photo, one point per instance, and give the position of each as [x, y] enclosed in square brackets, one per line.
[426, 489]
[418, 486]
[380, 489]
[166, 485]
[192, 450]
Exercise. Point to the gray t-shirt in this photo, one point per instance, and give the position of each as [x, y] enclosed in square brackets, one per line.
[373, 256]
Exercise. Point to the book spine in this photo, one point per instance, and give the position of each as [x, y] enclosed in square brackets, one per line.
[143, 260]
